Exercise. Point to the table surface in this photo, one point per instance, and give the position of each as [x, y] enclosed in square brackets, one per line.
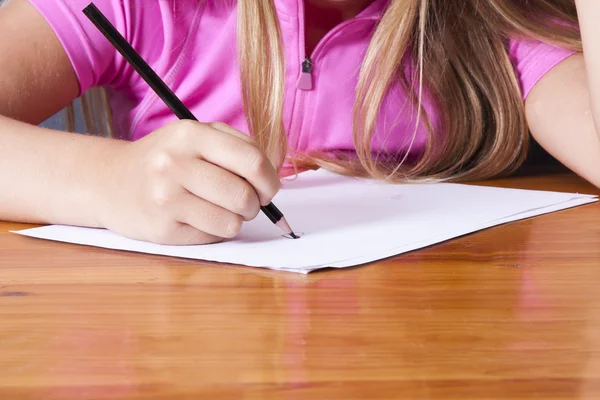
[512, 312]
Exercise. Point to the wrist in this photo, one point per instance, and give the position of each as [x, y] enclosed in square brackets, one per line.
[97, 173]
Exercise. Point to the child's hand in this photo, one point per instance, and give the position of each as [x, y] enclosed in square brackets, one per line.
[186, 183]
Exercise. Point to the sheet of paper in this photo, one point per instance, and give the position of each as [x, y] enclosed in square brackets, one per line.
[347, 222]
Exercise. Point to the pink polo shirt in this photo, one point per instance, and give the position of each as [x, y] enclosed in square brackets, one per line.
[192, 46]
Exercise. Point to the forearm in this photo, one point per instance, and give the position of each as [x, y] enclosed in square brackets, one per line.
[589, 12]
[48, 176]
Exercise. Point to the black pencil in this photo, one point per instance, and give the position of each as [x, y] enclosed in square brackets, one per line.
[163, 91]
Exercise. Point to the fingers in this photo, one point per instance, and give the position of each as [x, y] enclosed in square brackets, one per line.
[220, 187]
[241, 158]
[232, 131]
[206, 217]
[180, 234]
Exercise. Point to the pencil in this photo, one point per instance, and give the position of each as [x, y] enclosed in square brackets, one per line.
[163, 91]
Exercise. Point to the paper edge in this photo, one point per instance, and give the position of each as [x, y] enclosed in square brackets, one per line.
[577, 200]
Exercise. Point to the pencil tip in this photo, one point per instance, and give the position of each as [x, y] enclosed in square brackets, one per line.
[283, 224]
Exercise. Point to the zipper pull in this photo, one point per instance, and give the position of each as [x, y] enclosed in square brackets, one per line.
[305, 82]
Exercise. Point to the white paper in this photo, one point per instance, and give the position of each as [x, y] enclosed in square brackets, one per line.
[347, 222]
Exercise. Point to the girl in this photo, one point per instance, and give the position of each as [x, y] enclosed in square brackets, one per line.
[392, 89]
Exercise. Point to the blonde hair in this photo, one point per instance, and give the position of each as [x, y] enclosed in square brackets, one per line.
[460, 54]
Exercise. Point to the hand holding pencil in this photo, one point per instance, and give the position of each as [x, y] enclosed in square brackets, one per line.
[198, 182]
[186, 183]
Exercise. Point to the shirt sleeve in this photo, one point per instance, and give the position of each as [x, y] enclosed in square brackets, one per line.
[92, 56]
[533, 59]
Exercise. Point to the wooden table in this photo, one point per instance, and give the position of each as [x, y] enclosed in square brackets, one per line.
[508, 313]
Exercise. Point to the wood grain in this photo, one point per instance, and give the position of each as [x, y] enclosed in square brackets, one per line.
[512, 312]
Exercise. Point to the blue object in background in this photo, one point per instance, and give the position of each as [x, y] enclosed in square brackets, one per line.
[58, 121]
